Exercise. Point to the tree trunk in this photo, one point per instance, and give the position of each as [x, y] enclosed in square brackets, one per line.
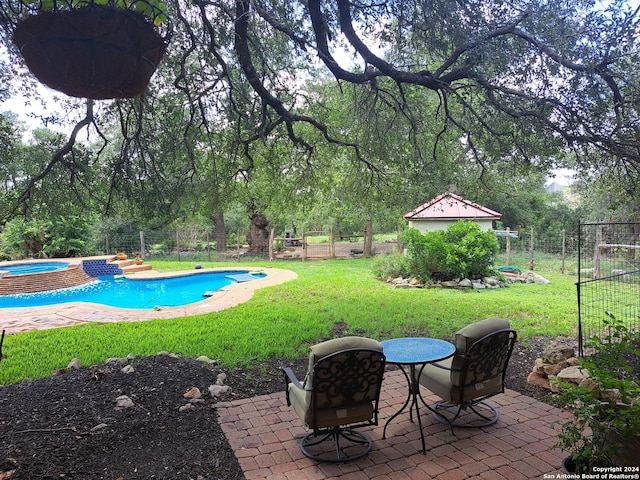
[258, 238]
[220, 232]
[368, 240]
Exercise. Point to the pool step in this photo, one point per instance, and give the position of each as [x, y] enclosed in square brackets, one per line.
[136, 268]
[130, 266]
[72, 276]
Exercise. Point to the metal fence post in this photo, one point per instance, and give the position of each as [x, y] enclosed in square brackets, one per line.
[564, 249]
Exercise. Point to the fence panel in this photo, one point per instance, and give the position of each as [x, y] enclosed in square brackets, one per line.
[529, 250]
[608, 277]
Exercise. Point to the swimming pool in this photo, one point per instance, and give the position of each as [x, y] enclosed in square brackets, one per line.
[136, 293]
[40, 267]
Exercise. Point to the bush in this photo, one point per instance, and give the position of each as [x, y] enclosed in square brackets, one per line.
[461, 251]
[390, 265]
[66, 237]
[604, 429]
[24, 238]
[61, 237]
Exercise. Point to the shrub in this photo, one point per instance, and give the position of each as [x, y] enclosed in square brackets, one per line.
[24, 238]
[66, 237]
[604, 429]
[461, 251]
[60, 237]
[390, 265]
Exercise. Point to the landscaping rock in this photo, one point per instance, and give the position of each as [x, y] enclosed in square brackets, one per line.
[74, 364]
[535, 378]
[555, 360]
[193, 393]
[123, 402]
[219, 390]
[573, 374]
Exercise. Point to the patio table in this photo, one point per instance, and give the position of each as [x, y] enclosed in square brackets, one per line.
[412, 352]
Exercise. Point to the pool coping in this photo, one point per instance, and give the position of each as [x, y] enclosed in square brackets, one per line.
[17, 320]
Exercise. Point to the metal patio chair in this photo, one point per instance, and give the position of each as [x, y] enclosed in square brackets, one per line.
[339, 393]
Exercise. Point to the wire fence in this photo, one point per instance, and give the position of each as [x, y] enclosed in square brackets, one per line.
[525, 248]
[193, 244]
[608, 278]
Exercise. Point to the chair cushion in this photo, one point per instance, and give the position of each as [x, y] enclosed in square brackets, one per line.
[323, 349]
[327, 417]
[330, 417]
[446, 382]
[439, 381]
[466, 336]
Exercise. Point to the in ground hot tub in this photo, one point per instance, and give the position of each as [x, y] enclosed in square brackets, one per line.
[31, 277]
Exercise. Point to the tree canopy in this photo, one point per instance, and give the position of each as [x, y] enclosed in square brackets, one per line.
[505, 85]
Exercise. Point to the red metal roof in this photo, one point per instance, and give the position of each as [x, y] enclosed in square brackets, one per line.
[450, 206]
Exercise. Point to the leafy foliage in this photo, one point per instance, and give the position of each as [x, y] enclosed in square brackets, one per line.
[606, 409]
[391, 265]
[154, 9]
[60, 237]
[66, 237]
[247, 94]
[461, 251]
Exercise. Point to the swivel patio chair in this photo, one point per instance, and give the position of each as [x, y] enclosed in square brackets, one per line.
[339, 393]
[475, 372]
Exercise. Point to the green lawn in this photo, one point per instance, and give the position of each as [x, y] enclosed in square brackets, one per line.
[283, 321]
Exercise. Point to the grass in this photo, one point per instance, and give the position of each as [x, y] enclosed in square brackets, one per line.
[282, 321]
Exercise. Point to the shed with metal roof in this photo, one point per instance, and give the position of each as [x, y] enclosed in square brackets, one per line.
[446, 209]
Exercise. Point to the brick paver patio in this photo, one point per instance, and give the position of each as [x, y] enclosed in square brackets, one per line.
[265, 434]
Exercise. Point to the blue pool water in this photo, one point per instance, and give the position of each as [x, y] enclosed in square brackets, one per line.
[141, 294]
[22, 268]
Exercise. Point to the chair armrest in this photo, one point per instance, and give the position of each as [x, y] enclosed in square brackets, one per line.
[437, 365]
[290, 377]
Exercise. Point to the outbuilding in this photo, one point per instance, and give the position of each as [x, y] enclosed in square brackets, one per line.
[446, 209]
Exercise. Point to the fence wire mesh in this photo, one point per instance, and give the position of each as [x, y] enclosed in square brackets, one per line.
[608, 278]
[527, 250]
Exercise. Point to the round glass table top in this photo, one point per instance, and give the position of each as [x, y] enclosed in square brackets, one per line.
[413, 350]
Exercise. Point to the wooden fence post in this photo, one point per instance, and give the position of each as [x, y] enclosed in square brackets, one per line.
[271, 236]
[304, 245]
[531, 262]
[143, 247]
[597, 253]
[238, 246]
[332, 244]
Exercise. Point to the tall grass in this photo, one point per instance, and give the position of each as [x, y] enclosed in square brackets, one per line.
[282, 321]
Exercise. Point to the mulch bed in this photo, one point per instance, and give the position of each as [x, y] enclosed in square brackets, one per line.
[68, 426]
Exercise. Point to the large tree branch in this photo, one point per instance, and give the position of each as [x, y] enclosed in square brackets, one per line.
[57, 158]
[241, 47]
